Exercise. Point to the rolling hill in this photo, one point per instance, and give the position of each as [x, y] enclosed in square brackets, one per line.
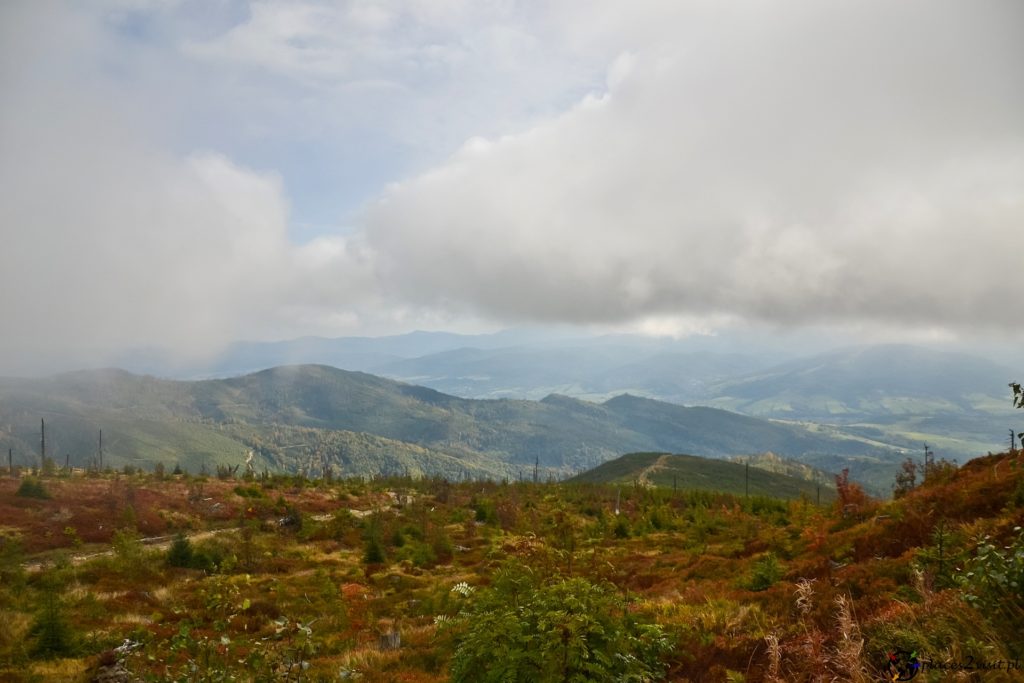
[594, 371]
[895, 379]
[897, 394]
[688, 472]
[211, 421]
[900, 394]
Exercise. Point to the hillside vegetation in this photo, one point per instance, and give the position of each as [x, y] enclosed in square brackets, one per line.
[688, 472]
[179, 578]
[901, 395]
[318, 418]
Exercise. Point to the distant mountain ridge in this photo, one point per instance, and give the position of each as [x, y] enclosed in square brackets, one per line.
[899, 394]
[859, 380]
[145, 419]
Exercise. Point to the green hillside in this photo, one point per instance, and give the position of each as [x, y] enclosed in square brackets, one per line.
[902, 395]
[416, 429]
[771, 462]
[872, 379]
[688, 472]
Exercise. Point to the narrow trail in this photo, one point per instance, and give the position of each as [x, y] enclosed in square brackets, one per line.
[164, 542]
[154, 542]
[658, 464]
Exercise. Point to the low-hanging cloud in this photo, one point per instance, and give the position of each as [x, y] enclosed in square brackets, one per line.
[127, 220]
[111, 240]
[863, 162]
[798, 162]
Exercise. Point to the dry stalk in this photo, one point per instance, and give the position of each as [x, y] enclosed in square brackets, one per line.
[847, 662]
[774, 658]
[804, 596]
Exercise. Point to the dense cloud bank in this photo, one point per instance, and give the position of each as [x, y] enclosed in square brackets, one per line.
[796, 163]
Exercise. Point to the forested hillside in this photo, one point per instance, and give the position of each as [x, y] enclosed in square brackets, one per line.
[315, 418]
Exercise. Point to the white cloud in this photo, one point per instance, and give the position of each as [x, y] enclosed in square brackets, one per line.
[427, 74]
[110, 240]
[859, 163]
[864, 163]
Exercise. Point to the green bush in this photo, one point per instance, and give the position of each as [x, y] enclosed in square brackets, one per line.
[485, 511]
[374, 552]
[522, 629]
[213, 556]
[32, 488]
[131, 558]
[995, 575]
[621, 528]
[181, 553]
[442, 547]
[12, 555]
[249, 492]
[422, 555]
[765, 574]
[993, 581]
[50, 632]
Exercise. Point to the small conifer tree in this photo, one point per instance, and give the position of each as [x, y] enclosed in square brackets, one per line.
[180, 554]
[50, 632]
[374, 552]
[32, 488]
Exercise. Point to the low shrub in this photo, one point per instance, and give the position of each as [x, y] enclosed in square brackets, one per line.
[32, 488]
[765, 574]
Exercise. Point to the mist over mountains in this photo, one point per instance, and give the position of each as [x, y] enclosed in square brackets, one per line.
[901, 394]
[493, 405]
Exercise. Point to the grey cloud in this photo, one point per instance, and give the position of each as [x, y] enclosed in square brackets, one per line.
[797, 162]
[119, 230]
[426, 74]
[813, 163]
[110, 240]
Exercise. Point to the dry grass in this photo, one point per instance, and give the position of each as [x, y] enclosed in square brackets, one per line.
[369, 660]
[804, 596]
[688, 580]
[848, 654]
[774, 659]
[133, 619]
[61, 670]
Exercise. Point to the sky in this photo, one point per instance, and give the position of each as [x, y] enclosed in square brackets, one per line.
[179, 174]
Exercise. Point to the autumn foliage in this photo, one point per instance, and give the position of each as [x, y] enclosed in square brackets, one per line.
[276, 576]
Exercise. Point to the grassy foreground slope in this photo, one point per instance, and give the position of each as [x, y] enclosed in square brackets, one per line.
[393, 579]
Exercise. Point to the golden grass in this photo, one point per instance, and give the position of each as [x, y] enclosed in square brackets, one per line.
[133, 619]
[688, 580]
[61, 670]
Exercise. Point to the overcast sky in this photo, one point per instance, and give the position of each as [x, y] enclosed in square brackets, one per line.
[181, 174]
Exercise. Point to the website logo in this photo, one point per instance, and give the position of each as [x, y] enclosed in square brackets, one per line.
[902, 665]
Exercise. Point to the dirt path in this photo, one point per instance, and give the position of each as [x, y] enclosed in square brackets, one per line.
[658, 464]
[154, 542]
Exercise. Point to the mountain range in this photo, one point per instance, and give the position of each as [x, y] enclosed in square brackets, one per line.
[315, 418]
[901, 395]
[570, 401]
